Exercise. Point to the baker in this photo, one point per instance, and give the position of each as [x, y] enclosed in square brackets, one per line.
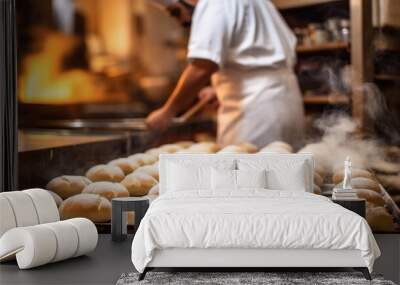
[247, 51]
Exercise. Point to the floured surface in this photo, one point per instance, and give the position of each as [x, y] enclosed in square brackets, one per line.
[250, 219]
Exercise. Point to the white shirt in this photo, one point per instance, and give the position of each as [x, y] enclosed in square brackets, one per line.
[259, 96]
[241, 33]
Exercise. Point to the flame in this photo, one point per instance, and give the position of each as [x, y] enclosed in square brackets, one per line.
[45, 82]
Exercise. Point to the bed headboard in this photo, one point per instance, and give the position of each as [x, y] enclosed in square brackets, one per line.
[217, 159]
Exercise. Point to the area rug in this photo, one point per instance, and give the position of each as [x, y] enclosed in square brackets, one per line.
[253, 278]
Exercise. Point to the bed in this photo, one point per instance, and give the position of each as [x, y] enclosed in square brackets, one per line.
[247, 211]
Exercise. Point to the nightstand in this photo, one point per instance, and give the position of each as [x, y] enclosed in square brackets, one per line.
[357, 206]
[118, 216]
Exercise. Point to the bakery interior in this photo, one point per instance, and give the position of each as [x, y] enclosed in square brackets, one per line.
[90, 71]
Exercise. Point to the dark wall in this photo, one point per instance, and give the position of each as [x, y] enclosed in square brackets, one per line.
[8, 98]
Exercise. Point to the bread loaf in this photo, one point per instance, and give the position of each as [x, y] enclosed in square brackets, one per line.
[143, 158]
[274, 150]
[170, 148]
[379, 219]
[371, 197]
[56, 198]
[185, 144]
[280, 146]
[386, 167]
[105, 173]
[232, 149]
[317, 190]
[126, 165]
[151, 170]
[320, 170]
[67, 185]
[248, 147]
[390, 181]
[365, 183]
[318, 180]
[106, 189]
[138, 184]
[191, 151]
[90, 206]
[156, 152]
[338, 176]
[396, 199]
[205, 147]
[155, 190]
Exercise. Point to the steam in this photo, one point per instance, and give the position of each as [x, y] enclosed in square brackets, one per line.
[341, 136]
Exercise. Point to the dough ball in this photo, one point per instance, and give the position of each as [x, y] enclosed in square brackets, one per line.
[318, 180]
[104, 172]
[190, 151]
[338, 175]
[232, 149]
[155, 190]
[90, 206]
[126, 165]
[248, 147]
[106, 189]
[151, 170]
[365, 183]
[205, 147]
[317, 190]
[371, 197]
[386, 167]
[185, 144]
[396, 199]
[320, 170]
[143, 158]
[280, 146]
[170, 148]
[156, 152]
[56, 198]
[274, 150]
[379, 219]
[392, 182]
[67, 185]
[139, 184]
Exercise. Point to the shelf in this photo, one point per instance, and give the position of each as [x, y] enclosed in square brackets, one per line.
[332, 46]
[288, 4]
[332, 99]
[387, 77]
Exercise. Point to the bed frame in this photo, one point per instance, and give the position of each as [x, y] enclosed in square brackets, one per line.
[245, 258]
[242, 259]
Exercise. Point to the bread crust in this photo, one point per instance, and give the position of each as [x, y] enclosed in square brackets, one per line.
[67, 186]
[105, 172]
[90, 206]
[106, 189]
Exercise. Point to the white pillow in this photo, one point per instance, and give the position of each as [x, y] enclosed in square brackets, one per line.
[223, 179]
[183, 178]
[281, 175]
[251, 178]
[231, 180]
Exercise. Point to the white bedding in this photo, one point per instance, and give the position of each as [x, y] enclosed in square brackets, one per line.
[250, 219]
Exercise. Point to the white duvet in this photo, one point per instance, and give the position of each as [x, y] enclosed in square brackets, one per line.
[250, 219]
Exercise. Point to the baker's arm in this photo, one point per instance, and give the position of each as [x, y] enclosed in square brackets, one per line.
[195, 76]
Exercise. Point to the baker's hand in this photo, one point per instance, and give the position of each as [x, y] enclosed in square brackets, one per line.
[160, 119]
[208, 94]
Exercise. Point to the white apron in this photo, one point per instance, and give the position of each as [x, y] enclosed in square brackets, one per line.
[259, 106]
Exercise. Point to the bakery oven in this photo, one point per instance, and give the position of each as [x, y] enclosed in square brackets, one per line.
[89, 71]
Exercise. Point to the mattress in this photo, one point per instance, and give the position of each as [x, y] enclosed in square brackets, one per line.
[251, 219]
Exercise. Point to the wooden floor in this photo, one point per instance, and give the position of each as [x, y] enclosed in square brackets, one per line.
[103, 266]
